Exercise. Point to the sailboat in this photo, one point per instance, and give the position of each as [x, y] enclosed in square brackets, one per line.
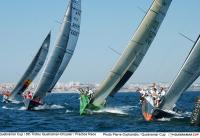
[31, 72]
[188, 73]
[61, 55]
[130, 58]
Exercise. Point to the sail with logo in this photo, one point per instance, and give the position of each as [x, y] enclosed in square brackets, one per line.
[31, 72]
[61, 55]
[130, 58]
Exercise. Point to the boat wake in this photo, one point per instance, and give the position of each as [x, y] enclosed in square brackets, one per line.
[68, 111]
[49, 107]
[182, 115]
[8, 108]
[14, 108]
[128, 107]
[164, 119]
[112, 111]
[16, 102]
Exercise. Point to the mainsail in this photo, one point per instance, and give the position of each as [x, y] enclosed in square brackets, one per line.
[63, 51]
[71, 45]
[134, 53]
[33, 69]
[189, 72]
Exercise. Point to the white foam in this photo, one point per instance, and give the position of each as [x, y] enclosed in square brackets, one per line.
[49, 107]
[111, 110]
[16, 102]
[68, 111]
[164, 119]
[127, 108]
[23, 108]
[7, 108]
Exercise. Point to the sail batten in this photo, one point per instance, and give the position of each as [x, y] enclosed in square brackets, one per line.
[188, 73]
[134, 53]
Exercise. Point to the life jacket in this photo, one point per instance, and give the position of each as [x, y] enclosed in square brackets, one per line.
[7, 93]
[28, 96]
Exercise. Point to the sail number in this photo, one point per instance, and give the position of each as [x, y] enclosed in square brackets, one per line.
[75, 26]
[75, 33]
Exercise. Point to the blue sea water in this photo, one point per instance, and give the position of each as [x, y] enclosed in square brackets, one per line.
[122, 114]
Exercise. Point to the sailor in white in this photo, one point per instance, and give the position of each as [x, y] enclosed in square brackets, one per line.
[90, 94]
[162, 92]
[143, 93]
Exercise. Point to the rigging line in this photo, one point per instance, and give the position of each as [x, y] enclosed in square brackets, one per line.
[57, 21]
[187, 37]
[141, 9]
[115, 51]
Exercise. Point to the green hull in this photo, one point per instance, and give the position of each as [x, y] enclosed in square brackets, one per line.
[86, 107]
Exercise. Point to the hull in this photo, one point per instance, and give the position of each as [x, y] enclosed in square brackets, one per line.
[86, 107]
[31, 104]
[158, 113]
[150, 112]
[147, 109]
[6, 100]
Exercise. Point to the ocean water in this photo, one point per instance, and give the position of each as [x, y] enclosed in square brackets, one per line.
[122, 114]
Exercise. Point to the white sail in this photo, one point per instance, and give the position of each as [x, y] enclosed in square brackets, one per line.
[189, 72]
[71, 45]
[32, 70]
[134, 53]
[63, 49]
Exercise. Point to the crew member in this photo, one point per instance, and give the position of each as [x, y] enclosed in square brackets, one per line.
[28, 95]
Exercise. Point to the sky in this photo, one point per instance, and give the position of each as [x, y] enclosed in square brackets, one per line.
[105, 23]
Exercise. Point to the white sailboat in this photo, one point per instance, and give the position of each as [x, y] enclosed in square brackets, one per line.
[131, 57]
[62, 53]
[188, 73]
[31, 72]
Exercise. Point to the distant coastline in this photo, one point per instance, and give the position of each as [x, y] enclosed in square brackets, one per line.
[74, 86]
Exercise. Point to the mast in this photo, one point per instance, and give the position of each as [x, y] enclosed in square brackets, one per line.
[33, 69]
[134, 53]
[63, 50]
[188, 73]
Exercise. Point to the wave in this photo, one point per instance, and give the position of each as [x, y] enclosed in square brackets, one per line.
[49, 107]
[16, 102]
[7, 108]
[111, 110]
[128, 107]
[13, 108]
[68, 111]
[23, 108]
[164, 119]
